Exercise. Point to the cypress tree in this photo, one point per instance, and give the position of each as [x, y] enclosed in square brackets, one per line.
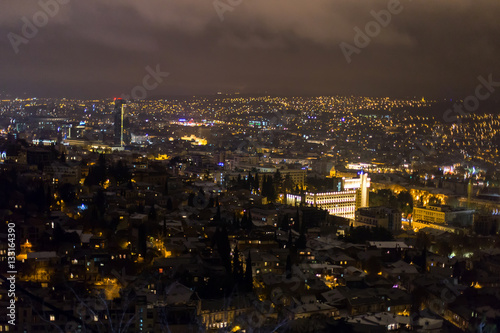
[297, 217]
[165, 190]
[249, 223]
[256, 182]
[244, 221]
[249, 274]
[288, 267]
[285, 224]
[152, 213]
[237, 268]
[217, 215]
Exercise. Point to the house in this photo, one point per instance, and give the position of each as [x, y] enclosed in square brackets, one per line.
[218, 314]
[311, 309]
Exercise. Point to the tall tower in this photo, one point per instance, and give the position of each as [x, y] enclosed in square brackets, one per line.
[362, 192]
[119, 114]
[469, 193]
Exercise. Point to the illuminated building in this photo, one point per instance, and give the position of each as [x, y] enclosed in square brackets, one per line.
[121, 129]
[442, 217]
[349, 195]
[361, 185]
[297, 176]
[442, 214]
[76, 130]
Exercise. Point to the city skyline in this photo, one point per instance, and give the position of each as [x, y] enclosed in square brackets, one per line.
[249, 166]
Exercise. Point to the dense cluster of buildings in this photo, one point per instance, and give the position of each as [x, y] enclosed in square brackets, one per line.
[180, 216]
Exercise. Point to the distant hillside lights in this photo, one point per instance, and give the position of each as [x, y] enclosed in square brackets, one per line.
[195, 141]
[29, 30]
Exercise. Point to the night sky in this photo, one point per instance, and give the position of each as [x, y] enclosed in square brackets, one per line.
[100, 49]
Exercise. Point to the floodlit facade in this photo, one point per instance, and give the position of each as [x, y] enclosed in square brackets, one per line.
[343, 203]
[442, 214]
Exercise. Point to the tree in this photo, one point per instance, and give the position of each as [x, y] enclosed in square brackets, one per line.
[268, 189]
[248, 282]
[217, 217]
[67, 193]
[221, 240]
[256, 183]
[421, 260]
[372, 266]
[434, 201]
[289, 243]
[236, 222]
[444, 248]
[152, 213]
[288, 267]
[297, 219]
[405, 201]
[58, 235]
[383, 197]
[277, 177]
[97, 173]
[120, 172]
[191, 199]
[237, 267]
[287, 184]
[361, 235]
[250, 223]
[99, 202]
[250, 181]
[301, 241]
[140, 208]
[244, 221]
[285, 223]
[141, 236]
[423, 241]
[165, 189]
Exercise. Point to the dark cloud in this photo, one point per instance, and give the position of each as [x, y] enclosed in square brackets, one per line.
[101, 48]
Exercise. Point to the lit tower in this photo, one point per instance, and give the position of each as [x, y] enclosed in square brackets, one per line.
[469, 192]
[119, 116]
[362, 195]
